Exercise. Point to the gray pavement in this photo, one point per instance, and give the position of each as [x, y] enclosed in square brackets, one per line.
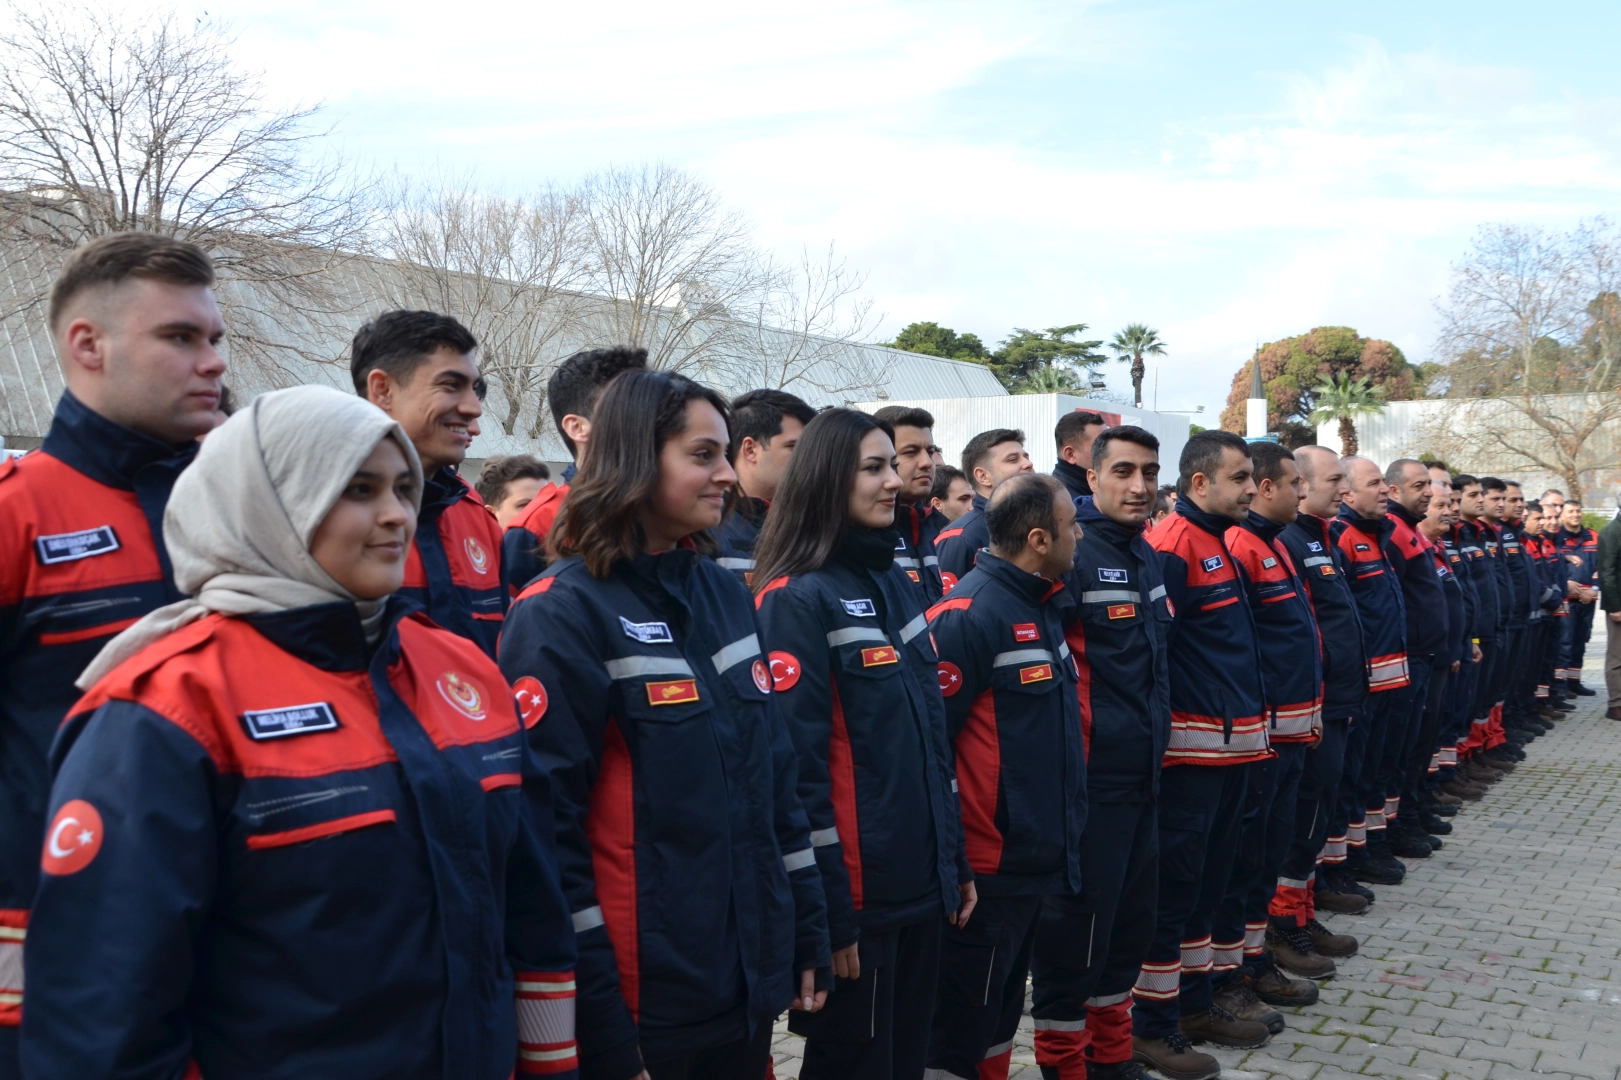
[1499, 958]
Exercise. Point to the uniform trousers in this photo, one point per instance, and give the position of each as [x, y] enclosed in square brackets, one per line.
[1422, 749]
[745, 1059]
[1239, 933]
[1460, 706]
[1201, 813]
[983, 968]
[1578, 632]
[1491, 652]
[1521, 694]
[1549, 680]
[1399, 738]
[876, 1027]
[1362, 789]
[1090, 946]
[1314, 809]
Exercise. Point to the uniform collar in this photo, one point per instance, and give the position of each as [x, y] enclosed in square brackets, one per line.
[328, 636]
[981, 503]
[1262, 526]
[1072, 477]
[439, 492]
[1214, 524]
[1401, 513]
[1032, 587]
[1094, 520]
[872, 549]
[1313, 525]
[1376, 527]
[106, 452]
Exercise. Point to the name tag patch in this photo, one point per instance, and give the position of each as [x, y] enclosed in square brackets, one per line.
[883, 654]
[1213, 563]
[677, 692]
[1362, 547]
[1039, 673]
[859, 607]
[1268, 563]
[1312, 545]
[1026, 631]
[67, 547]
[1105, 574]
[648, 633]
[262, 724]
[1122, 611]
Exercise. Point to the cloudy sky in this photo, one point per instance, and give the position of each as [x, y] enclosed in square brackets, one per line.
[1227, 172]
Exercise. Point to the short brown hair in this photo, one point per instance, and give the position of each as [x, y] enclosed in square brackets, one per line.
[498, 472]
[118, 257]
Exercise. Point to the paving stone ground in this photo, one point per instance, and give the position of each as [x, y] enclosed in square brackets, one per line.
[1499, 958]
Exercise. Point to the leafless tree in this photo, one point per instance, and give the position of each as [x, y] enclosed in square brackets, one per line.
[108, 124]
[1531, 336]
[510, 269]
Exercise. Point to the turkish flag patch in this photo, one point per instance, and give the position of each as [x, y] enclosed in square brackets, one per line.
[675, 692]
[73, 838]
[1122, 611]
[531, 697]
[882, 654]
[784, 670]
[1038, 673]
[948, 580]
[950, 678]
[1026, 631]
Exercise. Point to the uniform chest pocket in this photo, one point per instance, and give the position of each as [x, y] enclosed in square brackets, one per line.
[1031, 672]
[865, 652]
[282, 812]
[1113, 607]
[657, 689]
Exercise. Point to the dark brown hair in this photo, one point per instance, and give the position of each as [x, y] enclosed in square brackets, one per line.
[638, 412]
[119, 257]
[810, 515]
[498, 472]
[1018, 505]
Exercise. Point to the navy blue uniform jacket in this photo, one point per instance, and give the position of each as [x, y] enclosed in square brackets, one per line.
[685, 855]
[959, 542]
[1117, 625]
[1345, 657]
[454, 569]
[1409, 556]
[1378, 597]
[1291, 652]
[735, 537]
[856, 673]
[1009, 685]
[274, 851]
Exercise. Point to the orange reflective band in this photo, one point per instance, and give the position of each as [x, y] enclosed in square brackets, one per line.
[678, 692]
[1039, 673]
[883, 654]
[1122, 611]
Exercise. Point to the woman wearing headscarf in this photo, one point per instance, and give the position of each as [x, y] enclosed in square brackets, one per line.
[294, 830]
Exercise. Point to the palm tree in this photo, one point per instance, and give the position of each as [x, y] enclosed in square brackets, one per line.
[1049, 380]
[1133, 343]
[1344, 399]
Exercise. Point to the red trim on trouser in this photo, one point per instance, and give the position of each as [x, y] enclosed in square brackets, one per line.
[1064, 1052]
[1495, 736]
[1291, 901]
[1110, 1028]
[996, 1068]
[13, 931]
[610, 827]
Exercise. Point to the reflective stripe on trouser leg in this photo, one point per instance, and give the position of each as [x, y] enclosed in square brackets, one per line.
[1226, 955]
[1061, 1047]
[1159, 982]
[1254, 938]
[1334, 850]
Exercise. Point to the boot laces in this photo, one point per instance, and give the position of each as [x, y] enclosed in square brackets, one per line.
[1244, 994]
[1313, 924]
[1219, 1013]
[1299, 937]
[1178, 1043]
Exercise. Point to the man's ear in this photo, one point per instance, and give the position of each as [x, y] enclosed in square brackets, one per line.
[982, 478]
[576, 427]
[380, 389]
[750, 450]
[82, 345]
[1039, 540]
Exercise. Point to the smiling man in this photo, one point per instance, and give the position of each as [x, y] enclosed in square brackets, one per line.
[418, 367]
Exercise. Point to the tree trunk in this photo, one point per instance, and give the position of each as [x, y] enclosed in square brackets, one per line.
[1348, 447]
[1137, 373]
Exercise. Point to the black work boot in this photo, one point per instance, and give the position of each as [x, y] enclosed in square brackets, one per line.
[1175, 1057]
[1575, 686]
[1408, 843]
[1432, 824]
[1337, 878]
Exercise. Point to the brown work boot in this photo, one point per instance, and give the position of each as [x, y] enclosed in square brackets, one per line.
[1217, 1025]
[1329, 943]
[1340, 903]
[1175, 1057]
[1481, 773]
[1291, 947]
[1445, 799]
[1237, 998]
[1464, 789]
[1613, 712]
[1272, 986]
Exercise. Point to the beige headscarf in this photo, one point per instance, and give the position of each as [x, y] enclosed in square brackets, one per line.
[240, 520]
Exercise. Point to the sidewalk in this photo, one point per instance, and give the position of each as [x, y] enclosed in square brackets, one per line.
[1494, 960]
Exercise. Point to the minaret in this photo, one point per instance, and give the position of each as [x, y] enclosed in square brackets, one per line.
[1255, 408]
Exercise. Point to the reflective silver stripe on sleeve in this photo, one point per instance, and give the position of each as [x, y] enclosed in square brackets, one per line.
[914, 628]
[931, 560]
[824, 837]
[954, 785]
[1157, 592]
[631, 667]
[856, 633]
[589, 919]
[1319, 560]
[737, 652]
[798, 860]
[1022, 656]
[906, 563]
[1063, 650]
[1112, 596]
[735, 564]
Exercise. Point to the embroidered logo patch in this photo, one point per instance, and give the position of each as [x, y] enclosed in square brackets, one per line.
[262, 724]
[648, 633]
[882, 654]
[784, 670]
[1268, 563]
[463, 694]
[67, 547]
[1328, 571]
[859, 607]
[1026, 631]
[476, 556]
[73, 838]
[1038, 673]
[1213, 563]
[531, 697]
[950, 678]
[762, 676]
[677, 692]
[913, 575]
[1122, 611]
[1105, 574]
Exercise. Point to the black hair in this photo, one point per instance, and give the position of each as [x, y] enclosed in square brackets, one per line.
[1438, 464]
[498, 472]
[1394, 470]
[1129, 433]
[978, 449]
[227, 405]
[758, 415]
[1202, 454]
[943, 476]
[1268, 459]
[1492, 483]
[1463, 480]
[574, 386]
[1019, 504]
[810, 515]
[899, 416]
[1073, 424]
[1162, 501]
[398, 342]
